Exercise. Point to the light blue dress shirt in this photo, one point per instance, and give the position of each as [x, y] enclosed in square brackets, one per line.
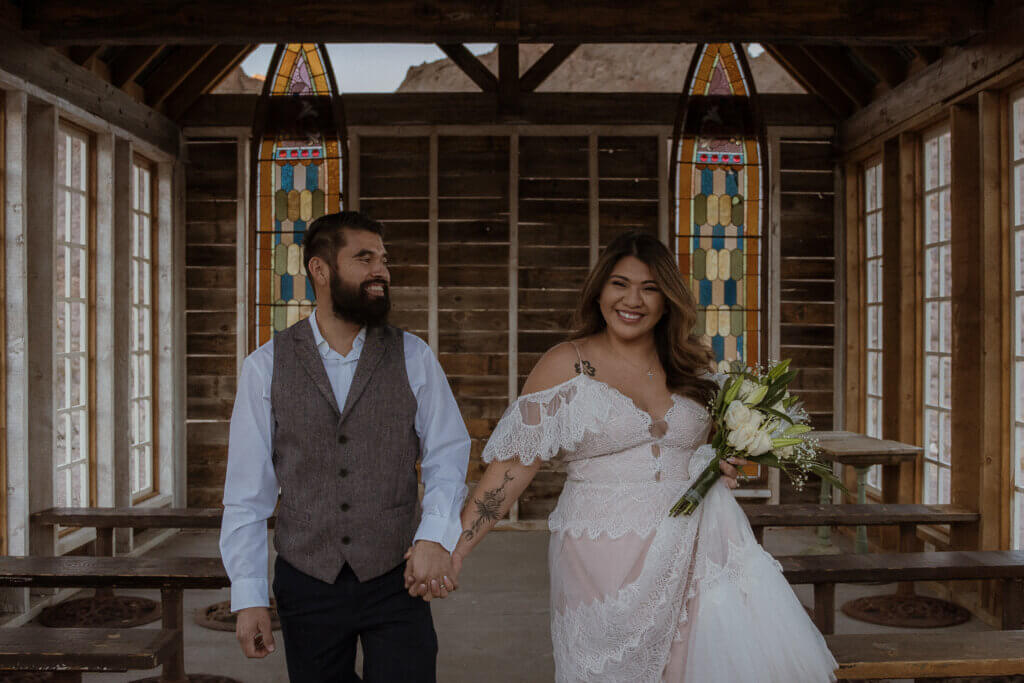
[251, 487]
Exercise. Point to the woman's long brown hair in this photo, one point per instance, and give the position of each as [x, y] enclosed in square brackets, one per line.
[683, 355]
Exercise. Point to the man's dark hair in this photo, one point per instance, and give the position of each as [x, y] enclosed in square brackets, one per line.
[326, 235]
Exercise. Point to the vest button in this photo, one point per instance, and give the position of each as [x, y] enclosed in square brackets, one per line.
[343, 472]
[344, 507]
[345, 540]
[342, 438]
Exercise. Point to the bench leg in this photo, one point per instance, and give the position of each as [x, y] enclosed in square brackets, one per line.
[1013, 604]
[861, 542]
[825, 607]
[104, 548]
[171, 600]
[908, 544]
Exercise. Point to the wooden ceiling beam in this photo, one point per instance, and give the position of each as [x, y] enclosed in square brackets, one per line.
[173, 71]
[508, 77]
[927, 53]
[847, 76]
[545, 66]
[917, 22]
[80, 54]
[886, 64]
[131, 62]
[471, 66]
[811, 77]
[206, 76]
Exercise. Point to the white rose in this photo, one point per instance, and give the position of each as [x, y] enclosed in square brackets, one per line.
[761, 443]
[755, 419]
[741, 438]
[785, 453]
[746, 388]
[736, 415]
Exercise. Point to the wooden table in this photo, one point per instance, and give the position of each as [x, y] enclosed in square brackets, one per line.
[861, 452]
[171, 575]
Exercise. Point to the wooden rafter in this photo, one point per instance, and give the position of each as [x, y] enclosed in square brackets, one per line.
[885, 63]
[927, 53]
[801, 67]
[508, 76]
[471, 66]
[80, 54]
[170, 74]
[208, 74]
[545, 66]
[131, 62]
[916, 22]
[835, 63]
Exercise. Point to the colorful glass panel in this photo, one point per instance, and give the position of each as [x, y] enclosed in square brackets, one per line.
[718, 221]
[298, 181]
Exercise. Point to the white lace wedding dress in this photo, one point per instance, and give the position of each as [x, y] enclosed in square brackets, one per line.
[638, 596]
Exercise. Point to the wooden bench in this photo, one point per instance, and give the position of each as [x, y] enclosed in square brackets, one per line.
[170, 575]
[70, 651]
[928, 654]
[906, 516]
[825, 571]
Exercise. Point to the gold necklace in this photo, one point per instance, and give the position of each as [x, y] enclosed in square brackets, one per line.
[650, 369]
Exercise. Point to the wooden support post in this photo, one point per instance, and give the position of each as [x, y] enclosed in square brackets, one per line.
[513, 283]
[508, 78]
[825, 607]
[104, 548]
[173, 620]
[1013, 604]
[908, 544]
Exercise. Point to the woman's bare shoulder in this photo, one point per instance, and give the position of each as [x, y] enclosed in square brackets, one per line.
[557, 366]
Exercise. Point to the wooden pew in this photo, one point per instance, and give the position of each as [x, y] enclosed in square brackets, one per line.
[70, 651]
[825, 571]
[906, 516]
[928, 654]
[170, 575]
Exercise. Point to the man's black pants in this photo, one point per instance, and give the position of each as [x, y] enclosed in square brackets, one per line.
[320, 623]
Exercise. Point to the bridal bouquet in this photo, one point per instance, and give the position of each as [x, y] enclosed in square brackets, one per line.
[756, 418]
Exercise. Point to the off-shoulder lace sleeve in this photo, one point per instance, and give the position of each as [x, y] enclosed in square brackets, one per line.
[535, 426]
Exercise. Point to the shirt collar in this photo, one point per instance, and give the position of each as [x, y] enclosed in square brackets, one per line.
[325, 349]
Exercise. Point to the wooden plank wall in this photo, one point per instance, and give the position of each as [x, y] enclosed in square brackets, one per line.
[807, 277]
[210, 313]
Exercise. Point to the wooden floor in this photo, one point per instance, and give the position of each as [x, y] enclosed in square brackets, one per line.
[494, 629]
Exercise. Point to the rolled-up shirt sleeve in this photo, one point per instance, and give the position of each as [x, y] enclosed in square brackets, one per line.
[250, 487]
[444, 446]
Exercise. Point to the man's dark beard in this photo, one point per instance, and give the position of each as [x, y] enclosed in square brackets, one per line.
[356, 305]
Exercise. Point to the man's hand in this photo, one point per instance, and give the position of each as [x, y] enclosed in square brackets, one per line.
[429, 572]
[254, 632]
[730, 473]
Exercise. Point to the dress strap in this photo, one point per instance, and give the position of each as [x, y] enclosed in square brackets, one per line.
[579, 358]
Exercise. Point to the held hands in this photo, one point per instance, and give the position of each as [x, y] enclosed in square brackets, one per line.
[254, 632]
[430, 571]
[730, 473]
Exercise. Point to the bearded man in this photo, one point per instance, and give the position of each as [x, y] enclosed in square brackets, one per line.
[334, 413]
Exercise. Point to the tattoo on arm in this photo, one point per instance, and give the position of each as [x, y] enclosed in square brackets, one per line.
[488, 508]
[588, 369]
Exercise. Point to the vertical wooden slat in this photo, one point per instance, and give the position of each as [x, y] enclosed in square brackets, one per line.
[594, 196]
[432, 264]
[352, 201]
[3, 325]
[908, 300]
[242, 249]
[967, 314]
[663, 229]
[513, 283]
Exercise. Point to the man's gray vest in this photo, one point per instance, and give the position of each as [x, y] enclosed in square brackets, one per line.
[348, 477]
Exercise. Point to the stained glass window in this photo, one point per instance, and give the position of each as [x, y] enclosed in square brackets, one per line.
[873, 308]
[937, 316]
[718, 220]
[1017, 223]
[72, 293]
[143, 479]
[299, 179]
